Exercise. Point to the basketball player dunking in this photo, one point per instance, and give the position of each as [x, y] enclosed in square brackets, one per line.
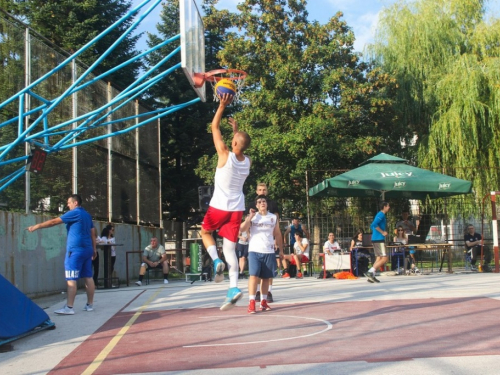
[228, 202]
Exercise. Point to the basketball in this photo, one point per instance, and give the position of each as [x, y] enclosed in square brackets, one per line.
[225, 86]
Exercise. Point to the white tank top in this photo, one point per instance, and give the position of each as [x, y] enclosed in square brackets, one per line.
[261, 233]
[229, 180]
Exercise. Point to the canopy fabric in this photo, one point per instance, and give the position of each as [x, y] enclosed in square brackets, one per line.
[390, 177]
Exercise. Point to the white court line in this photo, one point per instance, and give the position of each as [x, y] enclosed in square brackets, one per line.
[327, 323]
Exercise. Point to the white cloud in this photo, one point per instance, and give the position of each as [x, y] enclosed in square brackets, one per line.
[364, 30]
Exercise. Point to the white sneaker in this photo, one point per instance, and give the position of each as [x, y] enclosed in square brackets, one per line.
[65, 311]
[88, 307]
[138, 283]
[165, 281]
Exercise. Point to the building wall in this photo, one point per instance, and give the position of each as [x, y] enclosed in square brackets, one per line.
[34, 262]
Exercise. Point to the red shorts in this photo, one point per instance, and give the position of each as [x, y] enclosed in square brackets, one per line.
[227, 222]
[303, 259]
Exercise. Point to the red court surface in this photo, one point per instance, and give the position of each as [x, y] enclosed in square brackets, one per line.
[371, 331]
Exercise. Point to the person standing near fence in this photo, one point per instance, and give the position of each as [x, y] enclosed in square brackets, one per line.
[379, 232]
[80, 250]
[227, 205]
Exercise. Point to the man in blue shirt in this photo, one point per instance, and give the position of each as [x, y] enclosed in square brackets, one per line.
[80, 250]
[379, 232]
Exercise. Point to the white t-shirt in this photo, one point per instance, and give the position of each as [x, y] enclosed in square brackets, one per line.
[329, 247]
[228, 184]
[262, 233]
[243, 234]
[104, 240]
[299, 251]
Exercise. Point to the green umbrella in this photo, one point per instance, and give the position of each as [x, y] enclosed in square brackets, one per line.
[390, 177]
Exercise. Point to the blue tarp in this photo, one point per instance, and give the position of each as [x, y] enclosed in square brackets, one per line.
[18, 314]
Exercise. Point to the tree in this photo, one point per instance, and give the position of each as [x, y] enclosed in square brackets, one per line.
[445, 57]
[184, 134]
[70, 24]
[309, 101]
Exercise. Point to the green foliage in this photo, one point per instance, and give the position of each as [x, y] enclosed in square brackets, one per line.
[309, 103]
[184, 134]
[445, 57]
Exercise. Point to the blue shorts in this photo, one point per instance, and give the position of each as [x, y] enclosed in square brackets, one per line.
[78, 265]
[262, 265]
[241, 250]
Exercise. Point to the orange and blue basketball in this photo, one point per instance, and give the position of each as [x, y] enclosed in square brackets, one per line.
[225, 86]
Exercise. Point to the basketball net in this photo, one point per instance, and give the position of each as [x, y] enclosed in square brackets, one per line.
[234, 75]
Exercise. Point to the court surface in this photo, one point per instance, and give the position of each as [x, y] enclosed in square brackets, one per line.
[430, 324]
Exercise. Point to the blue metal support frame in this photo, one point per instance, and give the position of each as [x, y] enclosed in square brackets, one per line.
[96, 118]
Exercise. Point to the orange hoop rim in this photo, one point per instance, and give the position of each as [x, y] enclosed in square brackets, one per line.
[211, 76]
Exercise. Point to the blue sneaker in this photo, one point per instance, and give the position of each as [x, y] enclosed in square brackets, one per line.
[219, 270]
[233, 296]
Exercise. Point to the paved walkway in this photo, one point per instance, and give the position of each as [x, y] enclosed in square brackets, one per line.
[429, 324]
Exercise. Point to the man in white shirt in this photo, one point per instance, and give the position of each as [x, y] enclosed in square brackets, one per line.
[300, 255]
[228, 202]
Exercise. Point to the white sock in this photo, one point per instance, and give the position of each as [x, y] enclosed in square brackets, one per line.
[371, 270]
[212, 251]
[270, 287]
[258, 287]
[252, 297]
[228, 248]
[264, 297]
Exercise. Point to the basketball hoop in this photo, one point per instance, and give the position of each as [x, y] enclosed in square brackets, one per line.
[214, 76]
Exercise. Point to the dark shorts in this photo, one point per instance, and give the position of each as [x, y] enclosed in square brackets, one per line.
[241, 250]
[78, 265]
[159, 266]
[261, 265]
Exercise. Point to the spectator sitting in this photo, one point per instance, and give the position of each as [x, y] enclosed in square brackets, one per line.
[331, 245]
[402, 238]
[473, 244]
[301, 255]
[406, 223]
[154, 256]
[362, 254]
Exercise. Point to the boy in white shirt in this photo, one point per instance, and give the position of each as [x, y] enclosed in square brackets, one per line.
[264, 229]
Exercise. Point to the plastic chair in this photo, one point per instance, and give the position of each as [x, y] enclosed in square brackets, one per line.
[399, 253]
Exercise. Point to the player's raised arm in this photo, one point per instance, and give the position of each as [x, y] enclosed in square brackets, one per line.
[220, 146]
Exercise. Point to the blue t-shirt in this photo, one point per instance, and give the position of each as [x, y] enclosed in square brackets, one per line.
[381, 222]
[78, 224]
[292, 233]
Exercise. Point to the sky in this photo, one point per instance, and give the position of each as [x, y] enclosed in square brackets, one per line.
[361, 15]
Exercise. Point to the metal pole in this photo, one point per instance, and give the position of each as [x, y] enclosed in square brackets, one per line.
[494, 228]
[110, 159]
[159, 175]
[137, 169]
[27, 106]
[307, 205]
[74, 99]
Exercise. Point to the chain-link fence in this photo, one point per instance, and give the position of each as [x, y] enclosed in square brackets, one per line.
[441, 221]
[118, 178]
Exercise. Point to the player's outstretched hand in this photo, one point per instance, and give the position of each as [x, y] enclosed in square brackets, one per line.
[226, 99]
